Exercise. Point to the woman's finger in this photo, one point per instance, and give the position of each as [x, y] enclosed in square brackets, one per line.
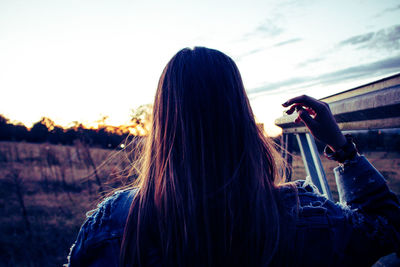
[293, 108]
[304, 100]
[297, 107]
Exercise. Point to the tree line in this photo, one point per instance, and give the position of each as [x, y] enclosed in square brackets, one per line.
[105, 136]
[45, 130]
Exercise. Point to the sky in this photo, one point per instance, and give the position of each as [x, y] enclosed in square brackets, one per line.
[82, 60]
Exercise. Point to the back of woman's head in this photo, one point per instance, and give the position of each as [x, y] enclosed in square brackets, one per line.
[206, 192]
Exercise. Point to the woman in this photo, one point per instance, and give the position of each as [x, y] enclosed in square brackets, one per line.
[209, 191]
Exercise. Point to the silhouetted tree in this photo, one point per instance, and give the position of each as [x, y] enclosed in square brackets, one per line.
[39, 131]
[19, 132]
[57, 135]
[5, 128]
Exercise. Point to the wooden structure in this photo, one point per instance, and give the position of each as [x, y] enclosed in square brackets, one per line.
[374, 105]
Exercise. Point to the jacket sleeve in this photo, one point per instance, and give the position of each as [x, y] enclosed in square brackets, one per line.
[373, 221]
[99, 239]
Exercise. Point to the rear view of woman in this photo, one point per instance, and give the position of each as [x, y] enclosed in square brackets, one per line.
[209, 191]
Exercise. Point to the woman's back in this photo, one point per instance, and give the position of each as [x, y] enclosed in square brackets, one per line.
[325, 232]
[207, 194]
[207, 181]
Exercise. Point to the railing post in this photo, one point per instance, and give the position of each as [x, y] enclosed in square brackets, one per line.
[286, 145]
[312, 163]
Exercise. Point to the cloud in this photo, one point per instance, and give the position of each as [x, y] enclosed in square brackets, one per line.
[358, 39]
[384, 39]
[310, 61]
[380, 67]
[388, 10]
[254, 51]
[260, 49]
[249, 53]
[277, 86]
[269, 28]
[388, 38]
[278, 12]
[290, 41]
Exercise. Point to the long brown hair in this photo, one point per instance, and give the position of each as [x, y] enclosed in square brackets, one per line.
[206, 193]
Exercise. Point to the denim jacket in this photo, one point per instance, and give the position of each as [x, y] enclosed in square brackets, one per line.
[363, 227]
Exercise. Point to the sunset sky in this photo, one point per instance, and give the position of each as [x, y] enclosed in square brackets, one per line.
[81, 60]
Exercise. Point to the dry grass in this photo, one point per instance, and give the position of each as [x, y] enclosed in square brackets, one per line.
[45, 192]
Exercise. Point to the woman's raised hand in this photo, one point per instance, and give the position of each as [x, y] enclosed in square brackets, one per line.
[318, 118]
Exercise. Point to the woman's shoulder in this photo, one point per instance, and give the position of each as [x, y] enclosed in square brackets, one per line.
[110, 215]
[299, 193]
[111, 208]
[105, 224]
[304, 200]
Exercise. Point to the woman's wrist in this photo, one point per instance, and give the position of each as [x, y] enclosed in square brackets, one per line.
[345, 152]
[338, 144]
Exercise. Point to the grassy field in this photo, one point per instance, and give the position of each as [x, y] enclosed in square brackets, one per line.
[46, 191]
